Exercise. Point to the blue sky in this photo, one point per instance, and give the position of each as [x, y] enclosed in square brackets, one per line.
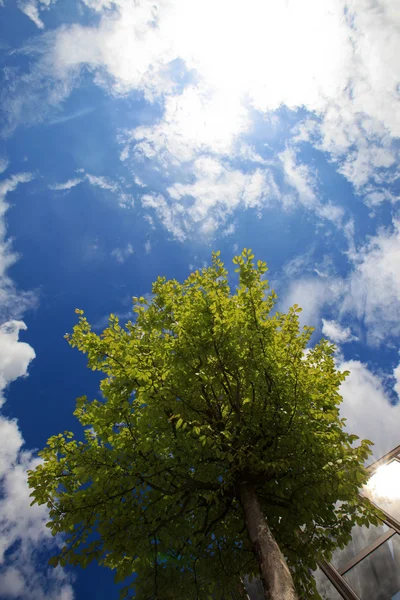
[135, 137]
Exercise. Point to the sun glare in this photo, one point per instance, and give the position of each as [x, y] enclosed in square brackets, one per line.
[254, 55]
[265, 51]
[384, 485]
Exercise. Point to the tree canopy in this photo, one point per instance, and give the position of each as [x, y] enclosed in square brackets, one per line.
[208, 393]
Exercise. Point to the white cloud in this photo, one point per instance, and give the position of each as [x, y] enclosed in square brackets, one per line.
[318, 55]
[15, 356]
[335, 332]
[336, 59]
[374, 284]
[301, 178]
[396, 374]
[32, 8]
[230, 230]
[300, 264]
[125, 200]
[99, 5]
[147, 247]
[121, 254]
[12, 584]
[105, 183]
[67, 185]
[102, 182]
[23, 530]
[126, 48]
[304, 55]
[170, 215]
[12, 304]
[367, 408]
[198, 120]
[71, 116]
[139, 182]
[30, 97]
[3, 165]
[370, 292]
[217, 186]
[312, 295]
[361, 165]
[205, 204]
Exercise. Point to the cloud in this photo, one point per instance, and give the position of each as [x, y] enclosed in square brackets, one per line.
[317, 56]
[334, 60]
[67, 185]
[139, 182]
[75, 115]
[336, 333]
[216, 191]
[230, 230]
[218, 186]
[396, 374]
[99, 5]
[30, 96]
[198, 120]
[15, 356]
[313, 295]
[125, 49]
[367, 408]
[12, 303]
[23, 531]
[105, 183]
[300, 264]
[121, 254]
[370, 292]
[171, 215]
[374, 284]
[32, 9]
[125, 200]
[301, 178]
[3, 165]
[102, 182]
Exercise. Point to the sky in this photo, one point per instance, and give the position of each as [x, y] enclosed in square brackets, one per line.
[136, 137]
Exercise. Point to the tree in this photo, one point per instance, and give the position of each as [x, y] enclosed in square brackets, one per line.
[217, 450]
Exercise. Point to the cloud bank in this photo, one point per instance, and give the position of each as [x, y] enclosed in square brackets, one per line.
[23, 532]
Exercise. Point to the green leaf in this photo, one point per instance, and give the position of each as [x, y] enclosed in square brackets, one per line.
[53, 561]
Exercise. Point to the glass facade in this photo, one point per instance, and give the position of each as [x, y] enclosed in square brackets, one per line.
[369, 567]
[377, 577]
[362, 537]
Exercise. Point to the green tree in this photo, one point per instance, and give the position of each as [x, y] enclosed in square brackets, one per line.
[216, 451]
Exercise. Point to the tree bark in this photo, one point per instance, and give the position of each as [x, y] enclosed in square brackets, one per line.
[274, 572]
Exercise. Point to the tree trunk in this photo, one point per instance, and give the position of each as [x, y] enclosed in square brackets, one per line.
[275, 574]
